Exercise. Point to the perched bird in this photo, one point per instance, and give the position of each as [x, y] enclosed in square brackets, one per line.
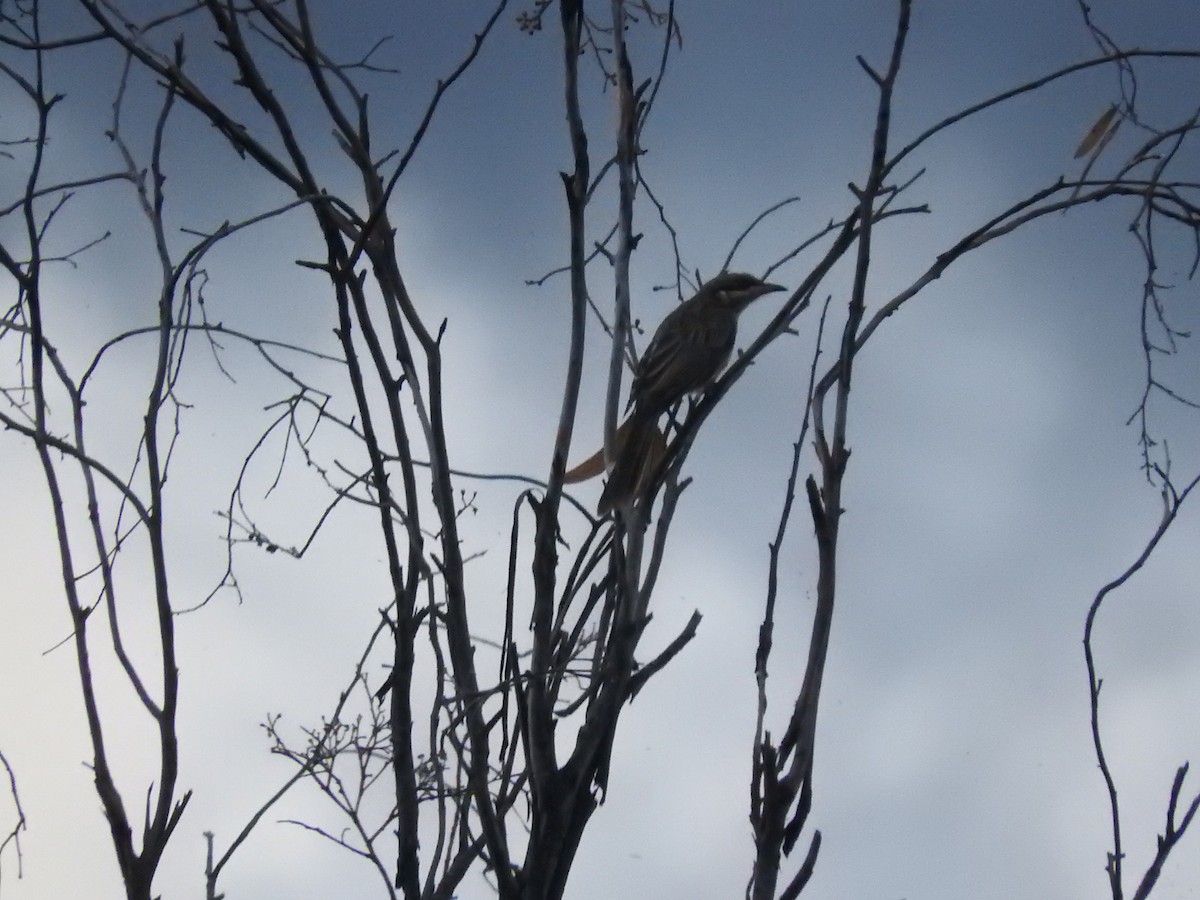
[688, 351]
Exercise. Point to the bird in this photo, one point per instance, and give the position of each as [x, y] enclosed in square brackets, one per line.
[689, 349]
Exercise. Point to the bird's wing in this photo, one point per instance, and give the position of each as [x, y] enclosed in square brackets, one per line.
[687, 352]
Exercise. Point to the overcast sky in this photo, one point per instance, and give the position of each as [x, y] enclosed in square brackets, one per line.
[994, 486]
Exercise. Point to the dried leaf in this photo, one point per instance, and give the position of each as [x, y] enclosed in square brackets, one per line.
[1097, 132]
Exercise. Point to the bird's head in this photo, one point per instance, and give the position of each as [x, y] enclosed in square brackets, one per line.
[737, 290]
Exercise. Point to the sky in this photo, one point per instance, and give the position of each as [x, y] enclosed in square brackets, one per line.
[994, 485]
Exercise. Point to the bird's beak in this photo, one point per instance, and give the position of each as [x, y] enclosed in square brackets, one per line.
[768, 288]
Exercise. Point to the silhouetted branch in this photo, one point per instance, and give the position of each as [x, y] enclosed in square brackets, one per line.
[1171, 506]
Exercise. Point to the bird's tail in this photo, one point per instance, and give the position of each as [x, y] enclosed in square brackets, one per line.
[640, 452]
[594, 464]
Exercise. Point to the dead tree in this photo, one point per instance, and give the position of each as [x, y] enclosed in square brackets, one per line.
[493, 750]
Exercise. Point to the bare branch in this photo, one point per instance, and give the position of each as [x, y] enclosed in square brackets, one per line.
[1171, 506]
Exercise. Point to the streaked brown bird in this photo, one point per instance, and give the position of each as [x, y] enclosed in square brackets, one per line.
[688, 351]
